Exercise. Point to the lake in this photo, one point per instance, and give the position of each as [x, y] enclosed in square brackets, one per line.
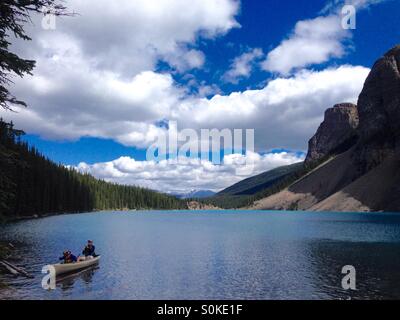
[211, 255]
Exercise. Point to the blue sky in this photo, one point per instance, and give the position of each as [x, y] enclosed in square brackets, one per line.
[193, 68]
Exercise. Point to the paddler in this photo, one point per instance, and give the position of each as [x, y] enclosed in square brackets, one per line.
[89, 249]
[68, 257]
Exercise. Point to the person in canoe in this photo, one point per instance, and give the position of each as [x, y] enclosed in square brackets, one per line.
[68, 257]
[89, 249]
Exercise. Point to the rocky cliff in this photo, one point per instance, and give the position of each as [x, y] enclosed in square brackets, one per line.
[335, 134]
[364, 174]
[379, 112]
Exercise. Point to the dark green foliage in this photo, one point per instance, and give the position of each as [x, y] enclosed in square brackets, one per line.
[30, 184]
[14, 14]
[228, 201]
[294, 206]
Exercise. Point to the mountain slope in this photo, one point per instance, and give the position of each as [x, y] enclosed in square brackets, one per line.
[366, 177]
[379, 189]
[260, 182]
[245, 192]
[326, 179]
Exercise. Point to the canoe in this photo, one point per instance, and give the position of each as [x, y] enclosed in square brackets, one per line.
[62, 268]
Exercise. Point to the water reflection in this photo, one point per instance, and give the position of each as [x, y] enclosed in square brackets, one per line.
[376, 264]
[208, 255]
[66, 282]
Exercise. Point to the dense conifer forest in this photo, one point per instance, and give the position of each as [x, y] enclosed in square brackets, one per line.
[31, 184]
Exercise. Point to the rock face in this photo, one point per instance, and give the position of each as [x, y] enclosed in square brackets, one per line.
[335, 134]
[366, 176]
[375, 119]
[379, 112]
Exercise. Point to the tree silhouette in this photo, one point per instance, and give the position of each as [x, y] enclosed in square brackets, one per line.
[31, 184]
[14, 14]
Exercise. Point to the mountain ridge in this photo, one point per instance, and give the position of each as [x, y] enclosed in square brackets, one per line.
[259, 182]
[194, 194]
[365, 176]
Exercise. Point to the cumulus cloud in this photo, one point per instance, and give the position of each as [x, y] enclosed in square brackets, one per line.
[87, 83]
[187, 60]
[200, 87]
[95, 72]
[97, 76]
[285, 113]
[185, 174]
[83, 101]
[332, 6]
[314, 41]
[131, 36]
[242, 66]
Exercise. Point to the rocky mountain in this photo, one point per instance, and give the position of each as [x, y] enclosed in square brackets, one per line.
[357, 157]
[338, 130]
[379, 112]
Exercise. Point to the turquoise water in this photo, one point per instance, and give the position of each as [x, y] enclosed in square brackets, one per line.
[211, 255]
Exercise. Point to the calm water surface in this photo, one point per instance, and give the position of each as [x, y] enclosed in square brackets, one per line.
[211, 255]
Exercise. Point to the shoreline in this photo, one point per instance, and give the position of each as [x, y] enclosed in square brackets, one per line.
[5, 220]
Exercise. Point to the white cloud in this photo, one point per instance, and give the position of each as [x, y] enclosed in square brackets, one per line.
[285, 113]
[187, 60]
[96, 77]
[205, 90]
[312, 42]
[186, 174]
[131, 36]
[242, 66]
[201, 87]
[80, 89]
[83, 101]
[335, 5]
[95, 72]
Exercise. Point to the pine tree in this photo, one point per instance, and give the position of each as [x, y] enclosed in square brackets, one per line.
[14, 14]
[32, 184]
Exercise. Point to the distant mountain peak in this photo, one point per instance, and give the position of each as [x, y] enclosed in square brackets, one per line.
[195, 194]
